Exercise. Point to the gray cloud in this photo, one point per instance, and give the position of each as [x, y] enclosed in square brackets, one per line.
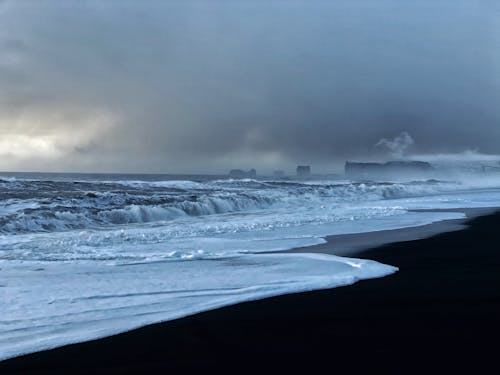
[207, 86]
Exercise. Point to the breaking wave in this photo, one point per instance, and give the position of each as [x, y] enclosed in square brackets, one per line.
[46, 206]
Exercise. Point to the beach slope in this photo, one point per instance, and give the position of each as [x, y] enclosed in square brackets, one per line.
[441, 311]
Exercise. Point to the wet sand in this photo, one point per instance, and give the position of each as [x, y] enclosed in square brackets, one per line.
[352, 244]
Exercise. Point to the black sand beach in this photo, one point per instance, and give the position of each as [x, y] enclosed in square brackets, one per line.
[439, 313]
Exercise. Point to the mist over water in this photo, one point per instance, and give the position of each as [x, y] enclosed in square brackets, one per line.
[398, 145]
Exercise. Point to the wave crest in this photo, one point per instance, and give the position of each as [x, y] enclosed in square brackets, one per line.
[59, 206]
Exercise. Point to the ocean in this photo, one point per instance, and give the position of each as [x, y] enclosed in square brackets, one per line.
[84, 256]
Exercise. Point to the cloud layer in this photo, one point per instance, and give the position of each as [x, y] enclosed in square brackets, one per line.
[208, 86]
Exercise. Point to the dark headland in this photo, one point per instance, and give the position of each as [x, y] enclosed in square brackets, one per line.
[439, 313]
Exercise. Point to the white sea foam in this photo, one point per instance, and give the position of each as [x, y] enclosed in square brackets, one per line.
[56, 304]
[85, 259]
[149, 202]
[175, 184]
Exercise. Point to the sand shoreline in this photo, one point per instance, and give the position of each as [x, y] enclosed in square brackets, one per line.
[350, 245]
[440, 310]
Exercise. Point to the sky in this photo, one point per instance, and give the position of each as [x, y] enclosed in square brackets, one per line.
[206, 86]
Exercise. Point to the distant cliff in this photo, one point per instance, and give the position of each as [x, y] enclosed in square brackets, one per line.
[391, 169]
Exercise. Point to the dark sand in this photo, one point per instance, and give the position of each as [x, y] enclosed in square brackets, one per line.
[439, 314]
[352, 244]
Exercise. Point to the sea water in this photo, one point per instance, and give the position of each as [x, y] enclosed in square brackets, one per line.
[86, 256]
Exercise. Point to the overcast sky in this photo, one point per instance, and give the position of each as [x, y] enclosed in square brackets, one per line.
[186, 86]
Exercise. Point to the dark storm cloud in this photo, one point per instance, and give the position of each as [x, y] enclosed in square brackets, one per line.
[194, 86]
